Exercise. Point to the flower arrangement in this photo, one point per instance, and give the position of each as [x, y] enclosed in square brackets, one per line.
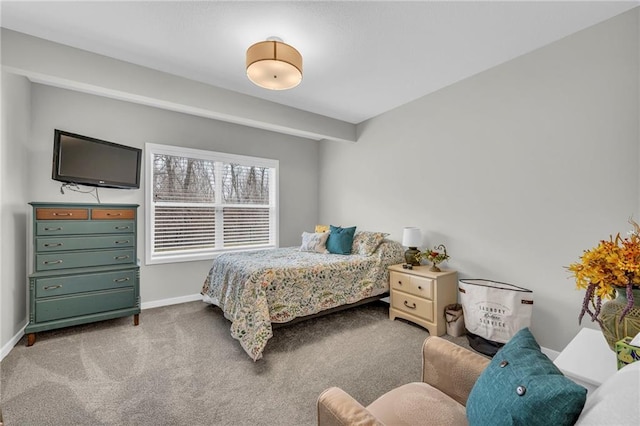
[435, 256]
[609, 267]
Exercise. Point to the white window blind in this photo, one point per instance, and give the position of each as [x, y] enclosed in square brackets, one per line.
[203, 202]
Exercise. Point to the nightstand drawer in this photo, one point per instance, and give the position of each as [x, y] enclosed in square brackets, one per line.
[417, 306]
[56, 261]
[70, 284]
[84, 304]
[412, 284]
[79, 227]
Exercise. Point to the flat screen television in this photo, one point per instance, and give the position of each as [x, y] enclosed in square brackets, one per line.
[94, 162]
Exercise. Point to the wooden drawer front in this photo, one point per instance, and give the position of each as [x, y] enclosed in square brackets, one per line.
[412, 284]
[54, 308]
[84, 243]
[417, 306]
[118, 214]
[47, 287]
[56, 261]
[61, 214]
[86, 227]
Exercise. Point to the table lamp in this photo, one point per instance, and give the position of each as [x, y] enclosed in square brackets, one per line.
[411, 237]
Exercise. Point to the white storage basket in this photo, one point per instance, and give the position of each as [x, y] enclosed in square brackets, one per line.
[493, 310]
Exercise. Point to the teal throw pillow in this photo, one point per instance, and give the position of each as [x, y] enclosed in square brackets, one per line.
[521, 386]
[340, 239]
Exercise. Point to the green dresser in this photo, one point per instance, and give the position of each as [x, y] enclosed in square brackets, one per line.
[84, 265]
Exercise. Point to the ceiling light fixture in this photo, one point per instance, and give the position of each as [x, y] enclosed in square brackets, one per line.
[274, 65]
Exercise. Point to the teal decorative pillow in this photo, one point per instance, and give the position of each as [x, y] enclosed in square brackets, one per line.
[340, 239]
[521, 386]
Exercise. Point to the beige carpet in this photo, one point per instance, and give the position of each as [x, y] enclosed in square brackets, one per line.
[181, 367]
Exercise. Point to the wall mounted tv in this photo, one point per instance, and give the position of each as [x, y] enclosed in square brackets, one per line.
[94, 162]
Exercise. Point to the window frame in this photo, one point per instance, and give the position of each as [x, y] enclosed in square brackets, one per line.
[151, 150]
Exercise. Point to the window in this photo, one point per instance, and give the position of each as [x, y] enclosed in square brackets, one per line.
[200, 203]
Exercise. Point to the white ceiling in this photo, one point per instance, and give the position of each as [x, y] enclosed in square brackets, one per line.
[361, 58]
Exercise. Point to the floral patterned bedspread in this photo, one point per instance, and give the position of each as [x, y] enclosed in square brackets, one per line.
[254, 289]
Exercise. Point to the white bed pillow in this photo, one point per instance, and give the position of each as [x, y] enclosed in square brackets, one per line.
[615, 402]
[314, 242]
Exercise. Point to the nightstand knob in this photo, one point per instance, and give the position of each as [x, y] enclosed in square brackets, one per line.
[419, 287]
[399, 282]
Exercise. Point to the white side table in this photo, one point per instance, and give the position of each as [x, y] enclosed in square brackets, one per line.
[587, 359]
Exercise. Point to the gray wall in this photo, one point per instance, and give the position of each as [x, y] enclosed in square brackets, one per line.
[63, 66]
[516, 170]
[134, 125]
[16, 115]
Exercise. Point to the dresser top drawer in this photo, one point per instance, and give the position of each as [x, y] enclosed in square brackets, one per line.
[61, 214]
[112, 214]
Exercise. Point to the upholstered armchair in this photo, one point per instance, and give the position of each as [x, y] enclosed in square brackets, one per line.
[449, 372]
[520, 385]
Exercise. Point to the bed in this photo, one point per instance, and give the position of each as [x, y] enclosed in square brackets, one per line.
[260, 288]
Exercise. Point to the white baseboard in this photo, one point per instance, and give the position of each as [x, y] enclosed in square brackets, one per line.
[11, 343]
[172, 301]
[550, 353]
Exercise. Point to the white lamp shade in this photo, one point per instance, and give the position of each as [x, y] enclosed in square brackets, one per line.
[411, 237]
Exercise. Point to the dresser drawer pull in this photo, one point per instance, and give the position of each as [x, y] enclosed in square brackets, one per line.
[62, 214]
[53, 229]
[419, 287]
[121, 257]
[53, 244]
[399, 282]
[52, 262]
[122, 227]
[121, 242]
[121, 280]
[114, 214]
[52, 287]
[410, 307]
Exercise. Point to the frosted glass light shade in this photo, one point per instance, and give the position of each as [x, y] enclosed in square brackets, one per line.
[411, 237]
[274, 65]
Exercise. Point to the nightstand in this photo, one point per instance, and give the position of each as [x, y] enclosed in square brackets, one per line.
[420, 296]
